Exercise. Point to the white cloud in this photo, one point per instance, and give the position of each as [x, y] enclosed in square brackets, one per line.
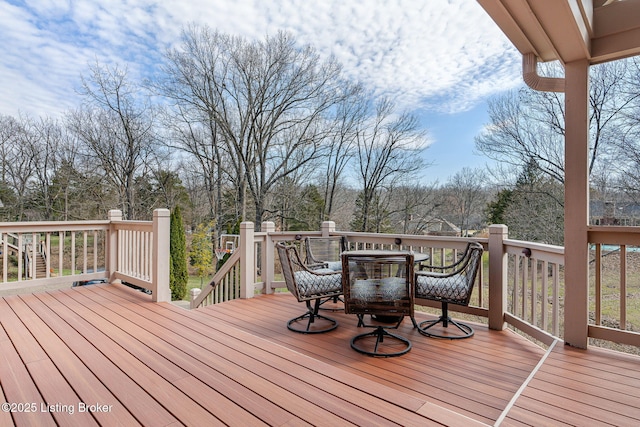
[436, 55]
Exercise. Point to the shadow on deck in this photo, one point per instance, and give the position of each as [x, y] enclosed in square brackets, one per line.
[105, 354]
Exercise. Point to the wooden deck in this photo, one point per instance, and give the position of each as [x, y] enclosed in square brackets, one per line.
[106, 355]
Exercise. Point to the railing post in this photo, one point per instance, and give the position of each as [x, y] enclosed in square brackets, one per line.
[498, 268]
[161, 291]
[193, 294]
[268, 257]
[247, 260]
[111, 263]
[327, 228]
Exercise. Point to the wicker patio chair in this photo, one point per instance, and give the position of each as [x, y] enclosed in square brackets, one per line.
[326, 250]
[310, 284]
[450, 284]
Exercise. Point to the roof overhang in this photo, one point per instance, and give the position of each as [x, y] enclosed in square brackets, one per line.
[569, 30]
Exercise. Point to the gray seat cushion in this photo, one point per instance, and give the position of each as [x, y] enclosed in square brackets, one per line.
[381, 290]
[452, 288]
[310, 284]
[335, 265]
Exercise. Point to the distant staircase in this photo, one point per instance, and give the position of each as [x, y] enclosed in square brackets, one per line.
[41, 266]
[27, 256]
[39, 260]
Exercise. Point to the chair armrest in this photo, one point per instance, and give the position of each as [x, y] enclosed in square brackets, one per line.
[438, 275]
[432, 273]
[319, 270]
[433, 267]
[317, 266]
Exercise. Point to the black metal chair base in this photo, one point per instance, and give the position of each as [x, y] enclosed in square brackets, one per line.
[334, 304]
[424, 328]
[381, 334]
[310, 318]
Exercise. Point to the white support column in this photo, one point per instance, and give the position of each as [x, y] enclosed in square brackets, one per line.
[498, 268]
[161, 258]
[327, 228]
[576, 204]
[268, 257]
[111, 263]
[247, 260]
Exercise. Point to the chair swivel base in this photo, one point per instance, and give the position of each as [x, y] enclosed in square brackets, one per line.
[381, 334]
[297, 324]
[425, 326]
[333, 304]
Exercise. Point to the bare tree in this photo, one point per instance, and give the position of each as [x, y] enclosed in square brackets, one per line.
[193, 132]
[387, 151]
[17, 162]
[519, 131]
[413, 207]
[268, 99]
[10, 129]
[536, 199]
[116, 127]
[45, 150]
[529, 125]
[350, 115]
[467, 197]
[624, 172]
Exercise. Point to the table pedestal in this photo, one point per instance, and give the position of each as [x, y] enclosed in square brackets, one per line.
[373, 343]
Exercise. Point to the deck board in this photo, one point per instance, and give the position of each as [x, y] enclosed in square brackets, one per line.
[304, 384]
[236, 363]
[17, 385]
[129, 356]
[82, 339]
[50, 382]
[88, 387]
[590, 387]
[429, 366]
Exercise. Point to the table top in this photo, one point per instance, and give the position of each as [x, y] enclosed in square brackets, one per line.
[396, 255]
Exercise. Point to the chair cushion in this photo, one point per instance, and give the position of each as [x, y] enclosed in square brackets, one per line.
[335, 265]
[323, 270]
[310, 284]
[451, 288]
[383, 290]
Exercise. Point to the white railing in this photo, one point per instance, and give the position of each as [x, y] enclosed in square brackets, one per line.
[535, 284]
[614, 291]
[71, 251]
[521, 283]
[239, 276]
[224, 286]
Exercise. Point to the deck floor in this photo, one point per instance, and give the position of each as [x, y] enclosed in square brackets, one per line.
[106, 355]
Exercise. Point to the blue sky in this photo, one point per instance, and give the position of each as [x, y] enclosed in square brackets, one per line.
[442, 59]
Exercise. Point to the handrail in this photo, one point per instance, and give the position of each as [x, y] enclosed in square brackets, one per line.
[218, 279]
